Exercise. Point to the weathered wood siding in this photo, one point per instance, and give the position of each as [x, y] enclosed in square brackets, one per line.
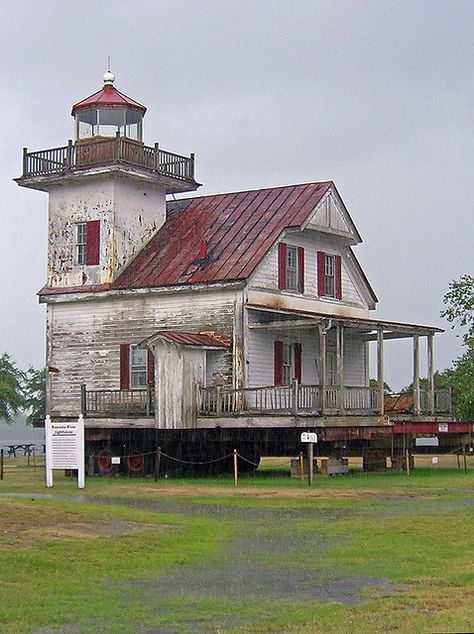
[178, 373]
[353, 292]
[129, 213]
[260, 356]
[85, 336]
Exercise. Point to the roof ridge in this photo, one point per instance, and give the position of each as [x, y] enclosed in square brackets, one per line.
[256, 189]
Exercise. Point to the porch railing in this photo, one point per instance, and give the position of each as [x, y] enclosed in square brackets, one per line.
[289, 399]
[81, 155]
[113, 403]
[300, 399]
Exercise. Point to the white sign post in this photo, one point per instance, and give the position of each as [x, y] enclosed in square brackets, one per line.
[65, 448]
[310, 438]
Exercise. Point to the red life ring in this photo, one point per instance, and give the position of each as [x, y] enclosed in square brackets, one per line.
[104, 462]
[135, 461]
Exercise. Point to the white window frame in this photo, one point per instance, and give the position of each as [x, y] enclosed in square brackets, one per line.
[291, 268]
[81, 243]
[329, 275]
[138, 371]
[288, 363]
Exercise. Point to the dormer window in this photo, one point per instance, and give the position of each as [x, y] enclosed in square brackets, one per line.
[329, 275]
[290, 268]
[88, 242]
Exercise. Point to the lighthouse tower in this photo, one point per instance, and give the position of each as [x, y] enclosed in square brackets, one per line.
[107, 189]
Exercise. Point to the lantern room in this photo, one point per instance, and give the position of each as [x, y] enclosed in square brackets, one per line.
[108, 113]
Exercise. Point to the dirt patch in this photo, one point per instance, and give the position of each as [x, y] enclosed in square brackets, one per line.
[23, 523]
[250, 492]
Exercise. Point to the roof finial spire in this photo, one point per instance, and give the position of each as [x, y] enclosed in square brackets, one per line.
[109, 77]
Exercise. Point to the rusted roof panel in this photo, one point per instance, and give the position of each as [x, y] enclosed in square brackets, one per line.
[399, 403]
[237, 228]
[108, 97]
[191, 339]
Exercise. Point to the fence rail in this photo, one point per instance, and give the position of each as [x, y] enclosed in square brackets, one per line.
[81, 155]
[110, 403]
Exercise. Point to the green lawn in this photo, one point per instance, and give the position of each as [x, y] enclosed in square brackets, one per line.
[375, 553]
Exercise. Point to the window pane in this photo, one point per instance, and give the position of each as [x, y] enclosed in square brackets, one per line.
[291, 269]
[81, 242]
[138, 367]
[329, 276]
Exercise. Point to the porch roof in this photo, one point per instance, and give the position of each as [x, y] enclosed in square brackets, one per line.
[186, 339]
[276, 318]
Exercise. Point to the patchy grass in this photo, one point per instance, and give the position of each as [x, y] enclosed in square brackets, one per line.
[382, 553]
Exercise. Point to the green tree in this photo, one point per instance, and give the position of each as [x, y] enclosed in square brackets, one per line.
[387, 390]
[35, 394]
[11, 389]
[459, 301]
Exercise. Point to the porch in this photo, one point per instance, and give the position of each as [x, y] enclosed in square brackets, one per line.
[312, 400]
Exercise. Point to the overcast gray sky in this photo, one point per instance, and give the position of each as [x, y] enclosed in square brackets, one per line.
[377, 96]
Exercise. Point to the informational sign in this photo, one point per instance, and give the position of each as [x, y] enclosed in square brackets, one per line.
[309, 436]
[65, 448]
[427, 442]
[443, 427]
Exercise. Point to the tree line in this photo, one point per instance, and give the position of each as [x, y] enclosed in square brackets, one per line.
[26, 391]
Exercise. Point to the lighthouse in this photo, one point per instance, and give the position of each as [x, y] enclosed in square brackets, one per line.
[107, 189]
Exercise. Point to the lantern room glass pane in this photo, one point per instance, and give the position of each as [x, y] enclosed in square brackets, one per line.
[106, 122]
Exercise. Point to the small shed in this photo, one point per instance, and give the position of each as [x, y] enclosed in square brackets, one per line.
[181, 368]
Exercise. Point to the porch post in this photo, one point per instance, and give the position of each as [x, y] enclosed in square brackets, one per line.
[431, 397]
[322, 367]
[340, 366]
[380, 377]
[416, 374]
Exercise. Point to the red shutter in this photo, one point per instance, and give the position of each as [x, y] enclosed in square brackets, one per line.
[151, 369]
[298, 362]
[338, 277]
[93, 241]
[124, 366]
[282, 265]
[320, 271]
[278, 363]
[300, 270]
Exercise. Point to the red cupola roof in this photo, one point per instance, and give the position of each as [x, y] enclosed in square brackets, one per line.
[108, 97]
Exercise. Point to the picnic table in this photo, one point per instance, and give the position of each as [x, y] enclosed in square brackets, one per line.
[27, 449]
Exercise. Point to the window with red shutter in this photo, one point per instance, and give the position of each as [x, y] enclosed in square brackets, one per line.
[297, 357]
[282, 265]
[88, 242]
[93, 242]
[124, 366]
[290, 268]
[278, 363]
[338, 277]
[300, 270]
[329, 275]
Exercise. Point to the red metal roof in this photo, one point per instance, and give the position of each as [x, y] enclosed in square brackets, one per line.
[191, 339]
[108, 97]
[237, 228]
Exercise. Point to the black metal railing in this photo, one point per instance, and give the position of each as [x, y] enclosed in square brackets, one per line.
[84, 154]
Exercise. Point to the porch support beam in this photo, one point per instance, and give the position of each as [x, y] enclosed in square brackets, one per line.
[430, 355]
[416, 375]
[380, 368]
[340, 366]
[322, 367]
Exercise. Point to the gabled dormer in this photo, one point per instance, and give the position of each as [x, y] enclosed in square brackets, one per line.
[331, 216]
